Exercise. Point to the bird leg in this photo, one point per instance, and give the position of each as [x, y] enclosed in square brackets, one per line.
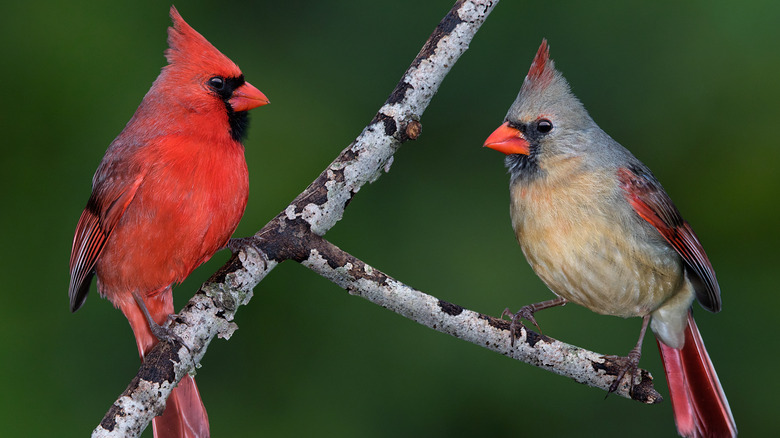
[527, 312]
[162, 333]
[629, 364]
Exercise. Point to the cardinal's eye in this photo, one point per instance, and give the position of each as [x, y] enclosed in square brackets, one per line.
[544, 126]
[217, 83]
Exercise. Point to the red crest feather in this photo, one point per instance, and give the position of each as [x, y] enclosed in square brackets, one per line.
[542, 69]
[188, 47]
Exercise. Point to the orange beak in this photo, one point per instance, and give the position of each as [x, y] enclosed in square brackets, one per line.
[508, 140]
[247, 97]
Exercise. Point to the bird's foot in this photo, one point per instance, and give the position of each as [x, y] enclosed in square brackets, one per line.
[164, 332]
[628, 365]
[237, 244]
[526, 312]
[161, 332]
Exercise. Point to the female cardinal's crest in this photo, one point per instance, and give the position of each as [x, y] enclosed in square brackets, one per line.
[544, 90]
[542, 69]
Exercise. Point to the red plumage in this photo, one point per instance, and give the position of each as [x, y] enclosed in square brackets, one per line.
[168, 194]
[542, 68]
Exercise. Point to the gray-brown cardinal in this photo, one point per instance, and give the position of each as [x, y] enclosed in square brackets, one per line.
[600, 231]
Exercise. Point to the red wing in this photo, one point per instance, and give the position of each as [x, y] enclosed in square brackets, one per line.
[651, 202]
[87, 244]
[95, 225]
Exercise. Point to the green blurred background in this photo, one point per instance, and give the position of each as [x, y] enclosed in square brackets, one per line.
[690, 87]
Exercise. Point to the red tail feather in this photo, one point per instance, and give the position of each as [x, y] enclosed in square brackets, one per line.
[700, 406]
[184, 416]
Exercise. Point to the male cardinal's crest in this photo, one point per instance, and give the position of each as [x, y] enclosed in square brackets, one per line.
[188, 48]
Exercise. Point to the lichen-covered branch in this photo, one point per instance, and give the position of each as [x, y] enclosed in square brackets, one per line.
[492, 333]
[207, 315]
[295, 234]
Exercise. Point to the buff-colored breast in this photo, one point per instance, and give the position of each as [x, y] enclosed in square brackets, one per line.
[577, 234]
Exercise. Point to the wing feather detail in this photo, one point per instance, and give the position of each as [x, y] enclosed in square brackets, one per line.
[650, 201]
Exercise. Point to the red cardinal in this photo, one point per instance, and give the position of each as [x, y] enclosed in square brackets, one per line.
[600, 231]
[168, 194]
